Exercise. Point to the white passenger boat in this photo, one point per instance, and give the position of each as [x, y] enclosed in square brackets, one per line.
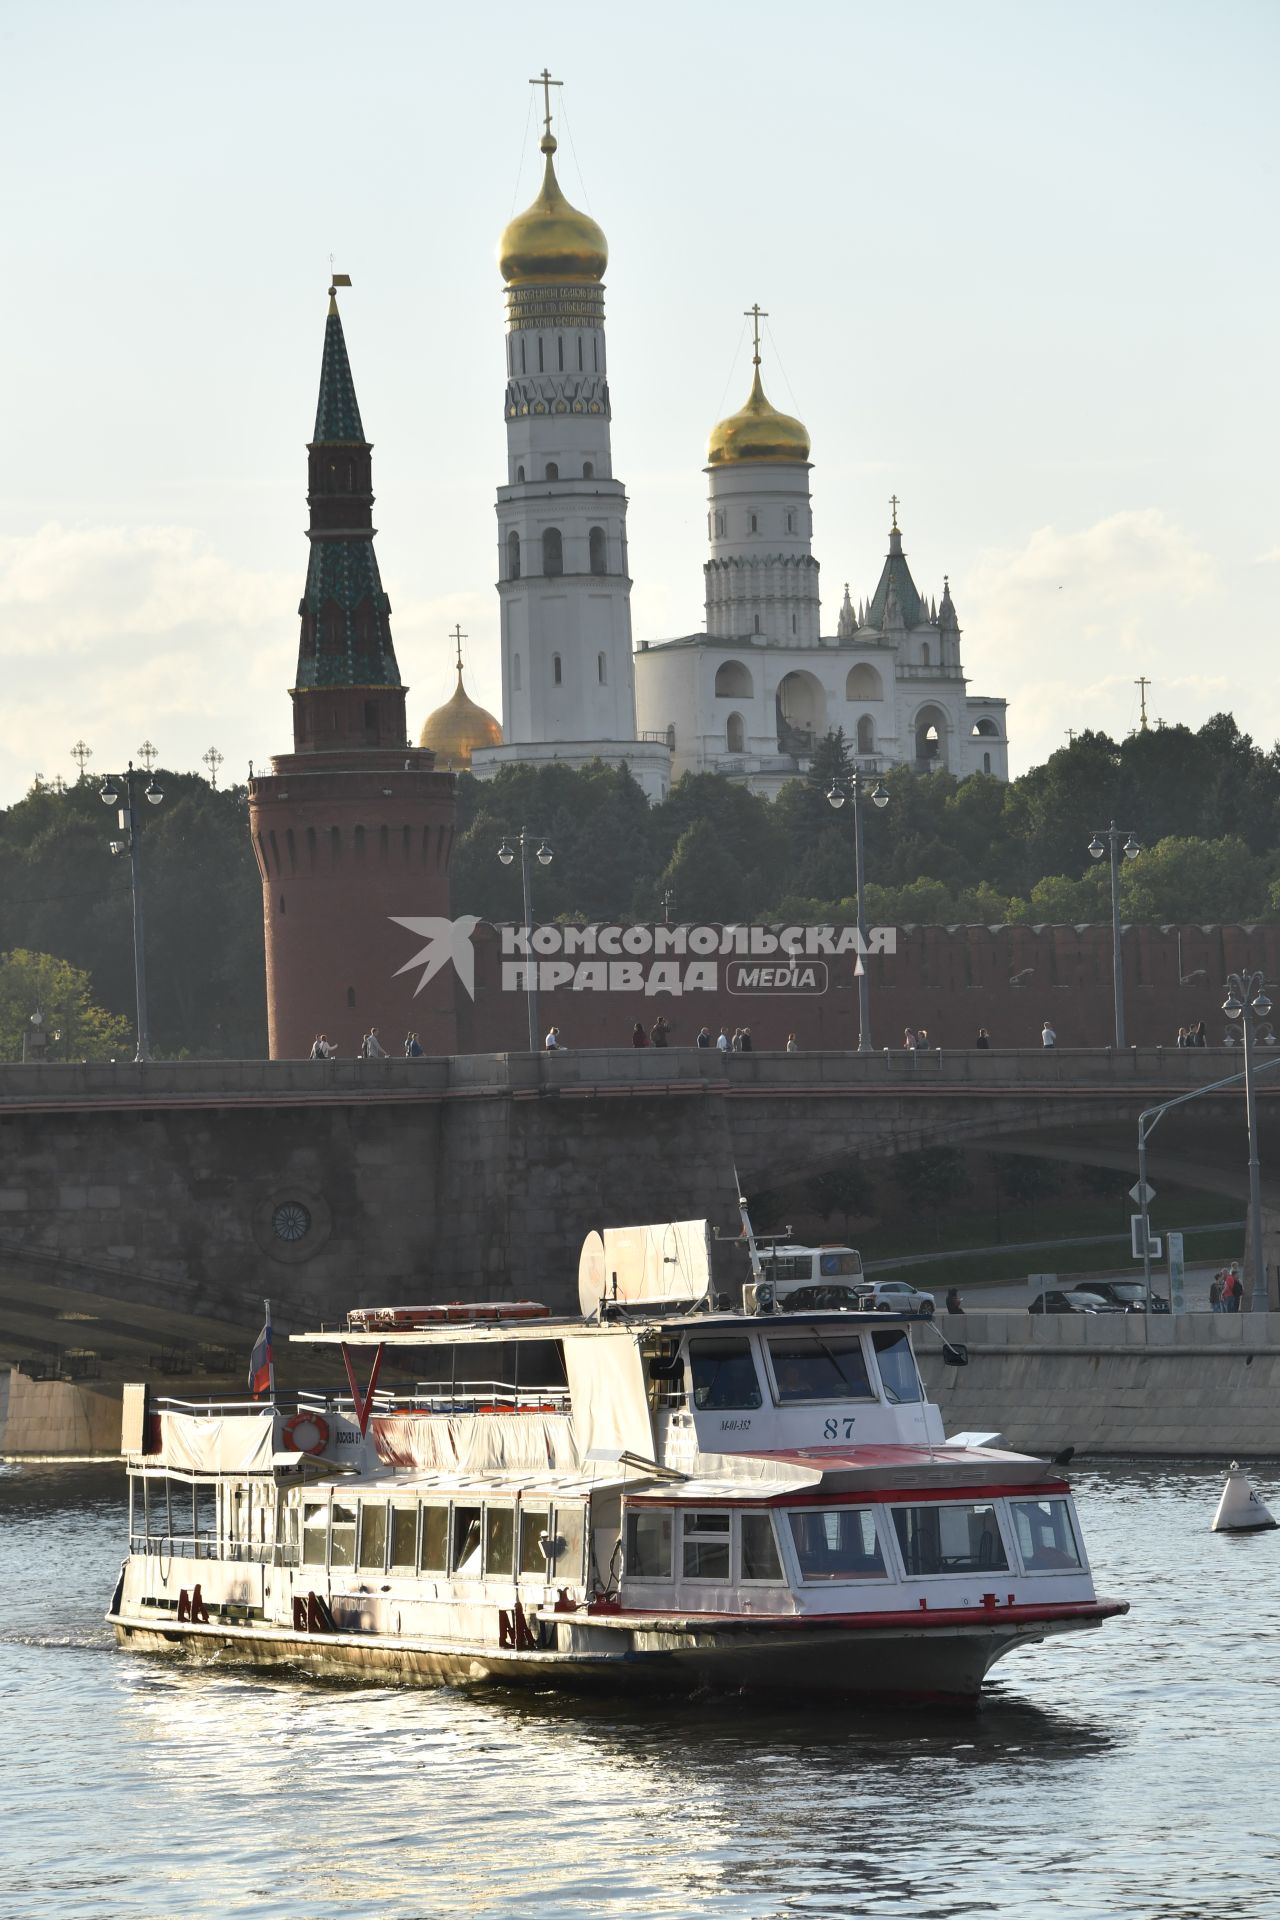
[711, 1495]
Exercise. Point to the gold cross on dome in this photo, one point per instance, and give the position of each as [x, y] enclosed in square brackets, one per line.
[755, 314]
[893, 502]
[545, 81]
[458, 636]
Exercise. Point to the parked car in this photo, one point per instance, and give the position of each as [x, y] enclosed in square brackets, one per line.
[1129, 1295]
[897, 1296]
[1071, 1300]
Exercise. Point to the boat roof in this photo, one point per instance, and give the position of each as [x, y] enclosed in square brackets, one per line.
[474, 1333]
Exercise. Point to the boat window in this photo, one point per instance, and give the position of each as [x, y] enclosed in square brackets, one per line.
[435, 1536]
[757, 1548]
[570, 1532]
[465, 1557]
[404, 1535]
[842, 1260]
[949, 1539]
[724, 1372]
[533, 1524]
[648, 1544]
[897, 1366]
[499, 1540]
[837, 1543]
[705, 1539]
[342, 1548]
[1045, 1535]
[373, 1536]
[315, 1535]
[819, 1366]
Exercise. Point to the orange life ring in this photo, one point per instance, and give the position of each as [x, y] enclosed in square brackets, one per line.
[316, 1420]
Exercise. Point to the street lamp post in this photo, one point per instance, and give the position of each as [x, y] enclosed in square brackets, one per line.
[1246, 1000]
[1097, 847]
[879, 798]
[112, 793]
[543, 856]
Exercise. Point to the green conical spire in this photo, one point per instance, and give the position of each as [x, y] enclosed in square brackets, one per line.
[337, 413]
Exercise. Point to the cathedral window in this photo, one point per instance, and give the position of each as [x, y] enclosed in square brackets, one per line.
[560, 351]
[866, 734]
[595, 355]
[520, 475]
[579, 353]
[986, 726]
[735, 735]
[523, 367]
[754, 529]
[513, 551]
[588, 470]
[553, 471]
[863, 683]
[557, 674]
[602, 673]
[924, 652]
[793, 623]
[757, 623]
[791, 523]
[552, 553]
[986, 763]
[720, 525]
[671, 736]
[599, 558]
[516, 680]
[541, 368]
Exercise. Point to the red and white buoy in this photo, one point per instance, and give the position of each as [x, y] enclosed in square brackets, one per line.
[1240, 1510]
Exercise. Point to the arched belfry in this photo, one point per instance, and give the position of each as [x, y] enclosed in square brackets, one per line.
[354, 827]
[564, 586]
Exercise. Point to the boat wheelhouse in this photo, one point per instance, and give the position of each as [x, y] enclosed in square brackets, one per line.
[667, 1492]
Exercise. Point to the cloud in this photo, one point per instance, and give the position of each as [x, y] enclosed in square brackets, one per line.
[1065, 624]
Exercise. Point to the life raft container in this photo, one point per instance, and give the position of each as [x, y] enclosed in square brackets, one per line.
[296, 1423]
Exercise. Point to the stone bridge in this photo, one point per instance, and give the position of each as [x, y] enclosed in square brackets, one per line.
[163, 1202]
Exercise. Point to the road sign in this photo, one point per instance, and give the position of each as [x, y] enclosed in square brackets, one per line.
[1137, 1221]
[1137, 1192]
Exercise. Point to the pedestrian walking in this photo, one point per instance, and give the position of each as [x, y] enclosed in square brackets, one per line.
[722, 1040]
[320, 1048]
[909, 1039]
[793, 1045]
[954, 1303]
[639, 1038]
[1215, 1293]
[923, 1042]
[735, 1045]
[1182, 1039]
[371, 1048]
[1233, 1290]
[1048, 1038]
[983, 1041]
[704, 1036]
[412, 1047]
[1199, 1037]
[552, 1041]
[746, 1046]
[658, 1032]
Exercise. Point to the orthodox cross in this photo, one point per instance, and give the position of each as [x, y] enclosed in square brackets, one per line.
[458, 636]
[148, 755]
[212, 760]
[80, 754]
[1071, 734]
[893, 502]
[1142, 683]
[755, 314]
[545, 81]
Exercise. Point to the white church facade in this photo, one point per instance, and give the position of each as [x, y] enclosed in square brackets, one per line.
[752, 695]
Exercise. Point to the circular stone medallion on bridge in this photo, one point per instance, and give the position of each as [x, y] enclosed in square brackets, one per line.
[291, 1224]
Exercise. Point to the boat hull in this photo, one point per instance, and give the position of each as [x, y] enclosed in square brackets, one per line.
[945, 1665]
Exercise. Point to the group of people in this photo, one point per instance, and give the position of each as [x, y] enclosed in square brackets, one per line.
[1226, 1290]
[1193, 1036]
[370, 1048]
[740, 1041]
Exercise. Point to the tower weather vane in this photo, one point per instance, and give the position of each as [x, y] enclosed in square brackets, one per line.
[545, 81]
[893, 502]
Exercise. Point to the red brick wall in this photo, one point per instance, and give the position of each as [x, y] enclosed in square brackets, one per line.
[950, 980]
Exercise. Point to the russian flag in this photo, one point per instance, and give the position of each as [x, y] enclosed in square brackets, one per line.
[261, 1366]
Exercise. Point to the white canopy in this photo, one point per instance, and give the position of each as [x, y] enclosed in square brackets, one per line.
[652, 1265]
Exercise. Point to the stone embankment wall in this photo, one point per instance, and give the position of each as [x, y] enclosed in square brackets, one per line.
[1201, 1384]
[40, 1417]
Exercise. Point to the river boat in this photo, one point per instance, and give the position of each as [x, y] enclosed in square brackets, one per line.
[715, 1494]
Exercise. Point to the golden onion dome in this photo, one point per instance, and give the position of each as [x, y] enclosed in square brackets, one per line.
[551, 240]
[757, 432]
[456, 729]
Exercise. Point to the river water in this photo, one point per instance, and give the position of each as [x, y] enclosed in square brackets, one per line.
[1127, 1772]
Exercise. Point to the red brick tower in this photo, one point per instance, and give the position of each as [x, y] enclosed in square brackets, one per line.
[354, 827]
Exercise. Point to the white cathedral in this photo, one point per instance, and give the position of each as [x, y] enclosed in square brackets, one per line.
[751, 695]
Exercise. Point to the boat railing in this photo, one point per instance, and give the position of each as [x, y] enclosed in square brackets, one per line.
[487, 1396]
[205, 1409]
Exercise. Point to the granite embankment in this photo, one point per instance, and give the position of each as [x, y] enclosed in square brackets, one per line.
[1203, 1384]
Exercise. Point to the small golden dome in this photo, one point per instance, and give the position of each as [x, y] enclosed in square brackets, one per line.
[551, 240]
[757, 432]
[457, 728]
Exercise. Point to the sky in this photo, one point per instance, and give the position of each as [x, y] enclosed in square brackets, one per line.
[1018, 261]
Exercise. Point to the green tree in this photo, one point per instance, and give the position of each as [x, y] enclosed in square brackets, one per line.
[932, 1179]
[1026, 1181]
[63, 994]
